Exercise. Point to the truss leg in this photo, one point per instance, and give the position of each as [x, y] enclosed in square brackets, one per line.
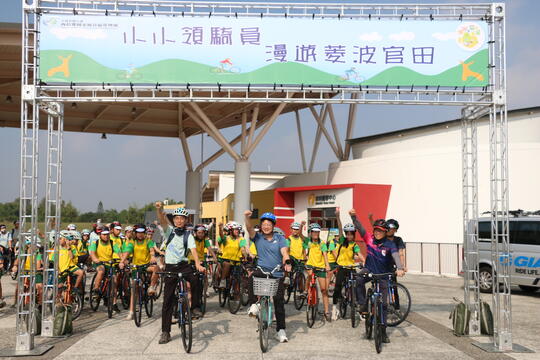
[242, 177]
[193, 193]
[470, 219]
[53, 207]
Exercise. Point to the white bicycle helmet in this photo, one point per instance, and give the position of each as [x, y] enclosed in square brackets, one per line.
[180, 212]
[295, 226]
[72, 227]
[349, 227]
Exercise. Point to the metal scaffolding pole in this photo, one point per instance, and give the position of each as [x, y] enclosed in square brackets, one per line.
[469, 152]
[53, 206]
[28, 239]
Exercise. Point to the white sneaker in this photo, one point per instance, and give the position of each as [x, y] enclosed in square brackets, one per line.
[281, 336]
[335, 313]
[253, 310]
[129, 316]
[223, 284]
[286, 280]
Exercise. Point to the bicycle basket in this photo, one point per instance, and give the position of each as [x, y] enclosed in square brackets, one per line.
[265, 287]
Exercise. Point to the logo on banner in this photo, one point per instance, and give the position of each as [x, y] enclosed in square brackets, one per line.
[470, 37]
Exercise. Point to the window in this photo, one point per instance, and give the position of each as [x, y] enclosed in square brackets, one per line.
[528, 233]
[484, 230]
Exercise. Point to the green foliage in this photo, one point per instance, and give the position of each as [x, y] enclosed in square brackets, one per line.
[9, 212]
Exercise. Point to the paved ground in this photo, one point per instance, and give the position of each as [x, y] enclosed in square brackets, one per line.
[221, 335]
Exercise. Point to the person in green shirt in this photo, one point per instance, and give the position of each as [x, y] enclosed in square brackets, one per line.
[102, 251]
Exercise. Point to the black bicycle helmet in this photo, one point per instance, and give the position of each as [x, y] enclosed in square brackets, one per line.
[392, 224]
[380, 224]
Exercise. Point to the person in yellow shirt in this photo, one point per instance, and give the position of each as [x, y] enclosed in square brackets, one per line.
[103, 251]
[202, 244]
[318, 261]
[67, 257]
[141, 251]
[347, 253]
[232, 251]
[27, 263]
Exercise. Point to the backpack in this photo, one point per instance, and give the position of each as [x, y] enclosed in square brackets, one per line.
[186, 236]
[460, 316]
[486, 319]
[63, 321]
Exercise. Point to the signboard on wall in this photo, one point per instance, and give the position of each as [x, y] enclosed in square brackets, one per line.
[261, 51]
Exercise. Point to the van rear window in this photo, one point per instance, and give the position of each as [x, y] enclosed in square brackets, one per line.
[528, 233]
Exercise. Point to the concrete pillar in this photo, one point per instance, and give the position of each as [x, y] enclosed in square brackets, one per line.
[242, 195]
[193, 193]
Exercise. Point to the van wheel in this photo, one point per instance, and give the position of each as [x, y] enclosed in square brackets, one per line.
[529, 289]
[485, 278]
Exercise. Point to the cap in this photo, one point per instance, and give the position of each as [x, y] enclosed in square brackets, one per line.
[140, 230]
[128, 228]
[118, 227]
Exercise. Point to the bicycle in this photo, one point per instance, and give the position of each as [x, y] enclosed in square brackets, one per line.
[124, 288]
[183, 310]
[348, 296]
[312, 297]
[203, 280]
[105, 289]
[296, 286]
[235, 288]
[141, 283]
[69, 295]
[266, 288]
[399, 303]
[247, 267]
[375, 321]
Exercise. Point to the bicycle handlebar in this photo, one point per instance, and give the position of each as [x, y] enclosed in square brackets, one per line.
[271, 273]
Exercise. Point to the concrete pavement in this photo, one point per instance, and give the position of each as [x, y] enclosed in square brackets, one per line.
[221, 335]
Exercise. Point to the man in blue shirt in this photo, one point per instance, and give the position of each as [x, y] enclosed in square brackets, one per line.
[381, 256]
[272, 250]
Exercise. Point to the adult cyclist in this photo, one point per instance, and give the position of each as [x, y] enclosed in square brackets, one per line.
[178, 243]
[381, 256]
[272, 250]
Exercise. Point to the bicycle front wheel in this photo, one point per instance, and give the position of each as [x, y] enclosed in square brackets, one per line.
[204, 295]
[137, 302]
[399, 305]
[76, 304]
[235, 295]
[343, 303]
[369, 316]
[263, 323]
[94, 302]
[110, 301]
[159, 287]
[149, 305]
[125, 291]
[378, 327]
[244, 289]
[184, 321]
[355, 317]
[298, 290]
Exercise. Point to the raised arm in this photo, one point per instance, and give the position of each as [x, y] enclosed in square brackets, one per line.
[249, 226]
[340, 227]
[357, 223]
[162, 217]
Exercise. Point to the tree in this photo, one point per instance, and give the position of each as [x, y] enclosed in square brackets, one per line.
[69, 212]
[100, 209]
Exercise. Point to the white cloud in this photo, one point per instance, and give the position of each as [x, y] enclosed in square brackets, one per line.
[372, 36]
[445, 36]
[402, 36]
[90, 34]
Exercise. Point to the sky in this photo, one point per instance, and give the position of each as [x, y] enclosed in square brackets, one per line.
[125, 170]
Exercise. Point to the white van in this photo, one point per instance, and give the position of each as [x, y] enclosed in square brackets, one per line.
[524, 234]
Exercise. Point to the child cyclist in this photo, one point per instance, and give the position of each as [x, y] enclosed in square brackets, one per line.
[318, 258]
[232, 247]
[381, 256]
[345, 253]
